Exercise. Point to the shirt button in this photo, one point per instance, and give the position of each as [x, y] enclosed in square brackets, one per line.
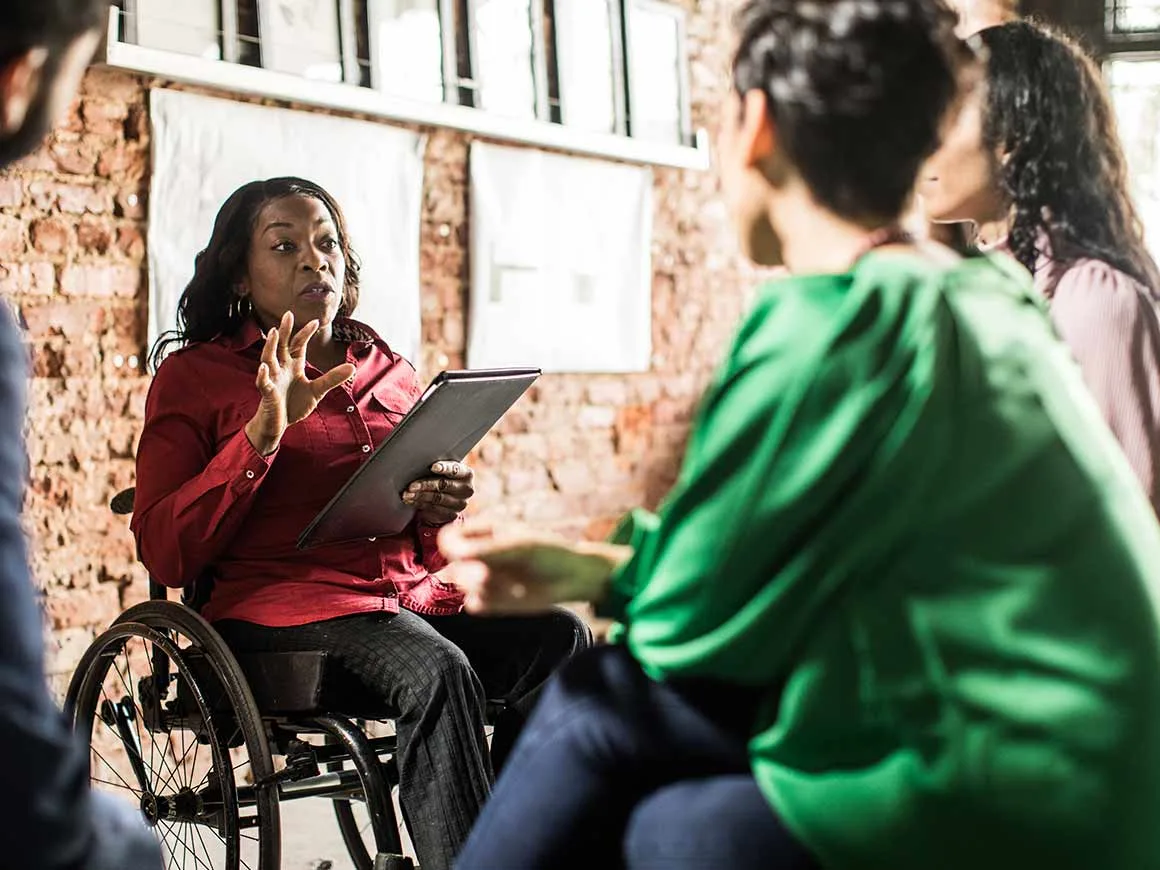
[427, 534]
[350, 409]
[372, 540]
[249, 474]
[366, 448]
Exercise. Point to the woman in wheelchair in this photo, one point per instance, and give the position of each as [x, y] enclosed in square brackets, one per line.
[266, 399]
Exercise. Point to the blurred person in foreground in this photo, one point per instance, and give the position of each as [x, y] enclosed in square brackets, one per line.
[902, 608]
[51, 821]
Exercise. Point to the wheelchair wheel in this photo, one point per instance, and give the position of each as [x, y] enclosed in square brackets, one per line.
[173, 727]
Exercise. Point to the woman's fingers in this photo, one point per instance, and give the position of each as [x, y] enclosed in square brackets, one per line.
[264, 383]
[270, 351]
[461, 543]
[484, 590]
[453, 470]
[301, 340]
[323, 384]
[285, 331]
[462, 488]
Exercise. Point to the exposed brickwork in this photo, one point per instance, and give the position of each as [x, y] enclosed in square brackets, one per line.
[576, 453]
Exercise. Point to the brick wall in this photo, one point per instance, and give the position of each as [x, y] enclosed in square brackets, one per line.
[575, 454]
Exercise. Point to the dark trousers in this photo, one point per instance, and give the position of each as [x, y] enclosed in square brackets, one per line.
[615, 770]
[435, 673]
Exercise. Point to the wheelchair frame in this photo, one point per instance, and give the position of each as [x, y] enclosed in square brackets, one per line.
[215, 677]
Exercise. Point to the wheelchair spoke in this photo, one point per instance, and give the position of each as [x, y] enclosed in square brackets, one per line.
[138, 713]
[181, 765]
[128, 749]
[153, 675]
[190, 832]
[115, 785]
[114, 770]
[197, 830]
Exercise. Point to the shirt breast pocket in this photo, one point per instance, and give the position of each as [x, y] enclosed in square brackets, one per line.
[387, 409]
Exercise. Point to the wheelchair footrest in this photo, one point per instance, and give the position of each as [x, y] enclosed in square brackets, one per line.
[383, 861]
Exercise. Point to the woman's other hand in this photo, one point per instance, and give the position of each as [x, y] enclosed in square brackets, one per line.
[287, 395]
[440, 499]
[524, 572]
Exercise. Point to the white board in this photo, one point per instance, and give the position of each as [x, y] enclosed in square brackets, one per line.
[561, 274]
[204, 148]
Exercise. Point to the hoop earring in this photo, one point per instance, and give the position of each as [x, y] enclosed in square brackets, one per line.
[240, 308]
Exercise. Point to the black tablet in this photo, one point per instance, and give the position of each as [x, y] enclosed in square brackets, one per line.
[448, 420]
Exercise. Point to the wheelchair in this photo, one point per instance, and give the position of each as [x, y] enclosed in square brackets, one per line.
[209, 743]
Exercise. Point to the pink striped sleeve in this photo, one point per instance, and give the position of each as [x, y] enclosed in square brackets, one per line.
[1111, 325]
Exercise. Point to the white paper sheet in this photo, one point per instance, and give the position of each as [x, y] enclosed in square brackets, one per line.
[204, 148]
[561, 274]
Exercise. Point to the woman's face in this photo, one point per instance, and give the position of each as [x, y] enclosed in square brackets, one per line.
[295, 263]
[958, 182]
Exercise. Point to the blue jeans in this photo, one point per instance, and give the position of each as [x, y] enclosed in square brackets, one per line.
[617, 770]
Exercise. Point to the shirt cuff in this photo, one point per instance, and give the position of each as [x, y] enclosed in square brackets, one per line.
[248, 466]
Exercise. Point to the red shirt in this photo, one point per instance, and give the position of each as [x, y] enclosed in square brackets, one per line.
[207, 501]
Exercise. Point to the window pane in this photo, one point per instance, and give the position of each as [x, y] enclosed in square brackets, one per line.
[584, 40]
[1135, 87]
[655, 47]
[503, 63]
[190, 27]
[407, 48]
[1127, 16]
[301, 37]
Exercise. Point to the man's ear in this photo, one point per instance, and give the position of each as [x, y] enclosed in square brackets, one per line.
[19, 82]
[757, 136]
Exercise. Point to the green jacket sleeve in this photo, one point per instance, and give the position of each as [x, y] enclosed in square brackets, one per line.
[787, 494]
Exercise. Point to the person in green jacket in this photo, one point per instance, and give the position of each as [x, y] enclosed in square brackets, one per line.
[900, 610]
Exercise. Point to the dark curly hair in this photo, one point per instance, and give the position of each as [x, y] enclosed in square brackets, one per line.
[857, 90]
[1063, 170]
[210, 307]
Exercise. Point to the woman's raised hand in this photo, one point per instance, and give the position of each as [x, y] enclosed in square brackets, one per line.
[287, 394]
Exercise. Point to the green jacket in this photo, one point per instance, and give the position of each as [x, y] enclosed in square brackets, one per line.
[903, 518]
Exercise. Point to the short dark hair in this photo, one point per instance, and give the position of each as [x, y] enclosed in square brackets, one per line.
[858, 90]
[29, 24]
[210, 307]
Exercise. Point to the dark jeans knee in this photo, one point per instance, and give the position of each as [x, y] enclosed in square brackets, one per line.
[712, 822]
[444, 675]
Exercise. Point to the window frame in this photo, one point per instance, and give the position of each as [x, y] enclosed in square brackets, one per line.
[616, 13]
[474, 82]
[240, 71]
[684, 85]
[132, 11]
[445, 13]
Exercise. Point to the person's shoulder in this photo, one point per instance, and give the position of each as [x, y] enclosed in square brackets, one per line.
[1096, 285]
[187, 361]
[787, 315]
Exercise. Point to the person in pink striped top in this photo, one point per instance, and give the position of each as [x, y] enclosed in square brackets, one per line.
[1034, 162]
